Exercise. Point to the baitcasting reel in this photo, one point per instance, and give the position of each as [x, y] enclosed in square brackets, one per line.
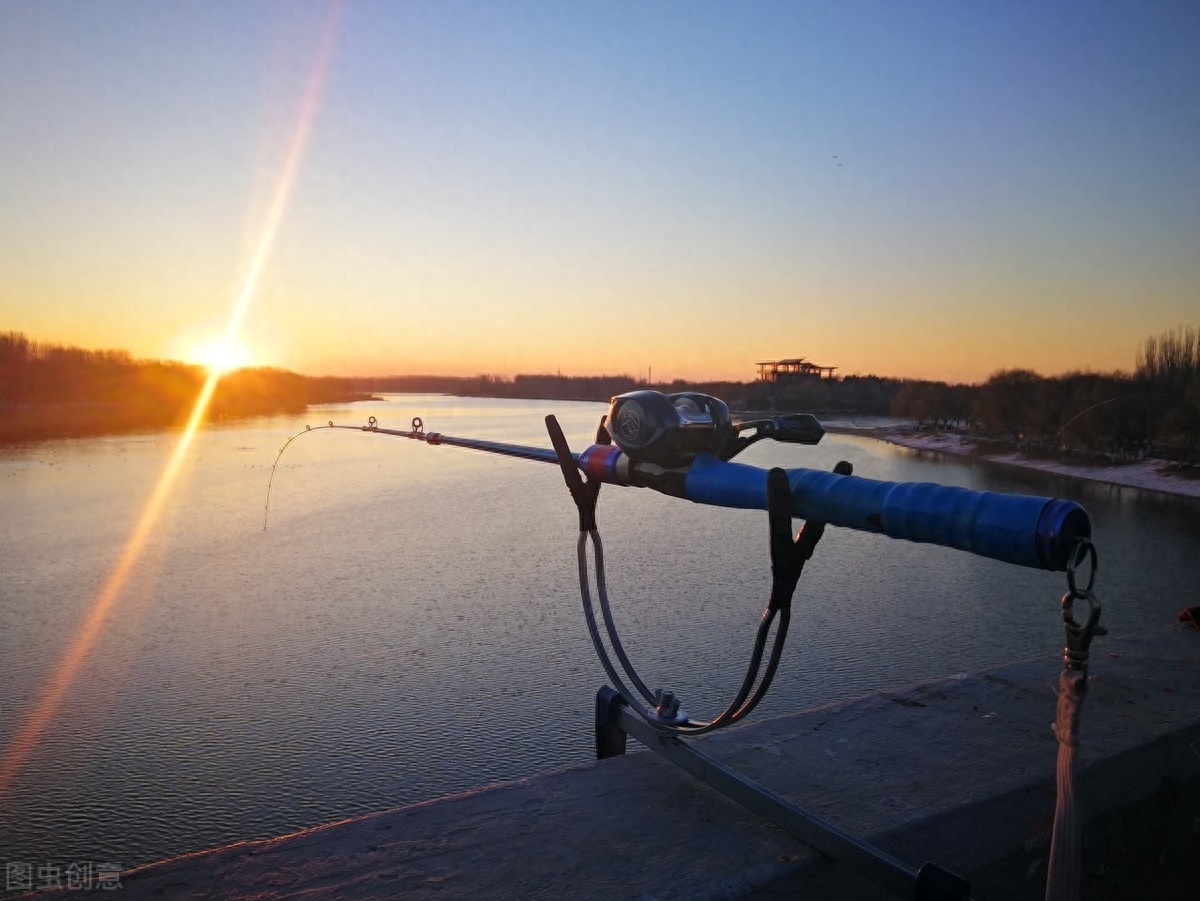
[670, 430]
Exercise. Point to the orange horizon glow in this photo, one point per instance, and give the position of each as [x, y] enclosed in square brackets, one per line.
[39, 719]
[226, 354]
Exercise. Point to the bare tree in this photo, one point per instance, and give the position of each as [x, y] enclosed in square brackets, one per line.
[1171, 360]
[1006, 402]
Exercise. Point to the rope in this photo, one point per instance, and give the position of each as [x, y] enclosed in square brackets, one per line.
[1064, 873]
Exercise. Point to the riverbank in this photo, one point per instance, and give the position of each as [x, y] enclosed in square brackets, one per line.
[1153, 475]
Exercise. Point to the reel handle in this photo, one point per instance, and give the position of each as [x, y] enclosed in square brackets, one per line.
[793, 428]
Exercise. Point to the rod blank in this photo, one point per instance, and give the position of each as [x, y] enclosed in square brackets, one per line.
[1038, 532]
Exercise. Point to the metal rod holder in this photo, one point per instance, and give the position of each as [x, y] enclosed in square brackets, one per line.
[615, 720]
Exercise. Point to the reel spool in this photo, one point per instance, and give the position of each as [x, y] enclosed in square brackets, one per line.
[671, 430]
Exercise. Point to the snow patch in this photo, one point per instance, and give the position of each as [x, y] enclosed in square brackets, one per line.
[1151, 474]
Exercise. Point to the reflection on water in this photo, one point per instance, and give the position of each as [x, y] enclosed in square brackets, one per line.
[409, 624]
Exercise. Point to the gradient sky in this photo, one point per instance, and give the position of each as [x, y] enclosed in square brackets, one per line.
[934, 190]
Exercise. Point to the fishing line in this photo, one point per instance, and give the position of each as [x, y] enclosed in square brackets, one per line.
[278, 456]
[418, 432]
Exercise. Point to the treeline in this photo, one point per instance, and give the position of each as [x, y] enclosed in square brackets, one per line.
[51, 390]
[55, 390]
[864, 394]
[414, 384]
[860, 394]
[535, 386]
[1153, 411]
[557, 387]
[588, 387]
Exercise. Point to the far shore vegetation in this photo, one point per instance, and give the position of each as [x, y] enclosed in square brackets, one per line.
[57, 391]
[53, 391]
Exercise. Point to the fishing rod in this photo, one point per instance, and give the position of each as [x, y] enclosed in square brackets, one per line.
[681, 445]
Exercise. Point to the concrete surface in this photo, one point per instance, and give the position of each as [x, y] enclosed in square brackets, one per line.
[959, 771]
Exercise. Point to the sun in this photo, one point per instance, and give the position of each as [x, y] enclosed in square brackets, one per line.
[221, 354]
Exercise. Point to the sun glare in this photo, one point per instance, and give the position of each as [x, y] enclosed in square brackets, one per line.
[218, 354]
[221, 354]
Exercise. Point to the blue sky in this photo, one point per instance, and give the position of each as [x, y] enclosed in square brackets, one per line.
[917, 189]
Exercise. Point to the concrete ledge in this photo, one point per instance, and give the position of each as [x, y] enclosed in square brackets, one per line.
[959, 771]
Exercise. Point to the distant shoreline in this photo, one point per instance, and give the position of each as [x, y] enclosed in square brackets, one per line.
[35, 422]
[1152, 475]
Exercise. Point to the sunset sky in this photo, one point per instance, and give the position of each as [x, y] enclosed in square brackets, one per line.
[918, 189]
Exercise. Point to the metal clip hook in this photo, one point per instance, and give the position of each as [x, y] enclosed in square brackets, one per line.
[1083, 552]
[1079, 637]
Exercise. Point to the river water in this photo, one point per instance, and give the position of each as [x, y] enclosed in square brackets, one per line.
[409, 624]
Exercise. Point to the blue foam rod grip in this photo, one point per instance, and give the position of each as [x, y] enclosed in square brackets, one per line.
[1030, 531]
